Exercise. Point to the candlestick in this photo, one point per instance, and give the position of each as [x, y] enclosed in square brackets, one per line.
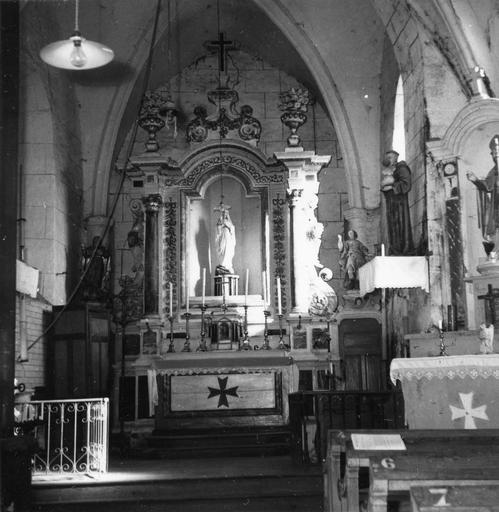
[443, 348]
[187, 345]
[282, 345]
[170, 286]
[279, 305]
[246, 345]
[202, 345]
[266, 344]
[204, 286]
[171, 347]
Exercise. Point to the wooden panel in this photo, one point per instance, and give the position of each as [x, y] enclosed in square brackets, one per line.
[230, 391]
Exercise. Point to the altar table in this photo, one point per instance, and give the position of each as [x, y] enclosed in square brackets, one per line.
[222, 389]
[432, 458]
[449, 392]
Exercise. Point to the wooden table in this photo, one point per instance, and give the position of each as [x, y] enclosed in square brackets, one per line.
[452, 498]
[432, 456]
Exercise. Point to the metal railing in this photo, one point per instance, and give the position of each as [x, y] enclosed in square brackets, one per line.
[313, 413]
[71, 435]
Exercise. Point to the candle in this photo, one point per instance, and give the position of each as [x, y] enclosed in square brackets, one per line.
[204, 285]
[382, 249]
[279, 305]
[170, 286]
[246, 287]
[440, 324]
[264, 288]
[187, 296]
[267, 287]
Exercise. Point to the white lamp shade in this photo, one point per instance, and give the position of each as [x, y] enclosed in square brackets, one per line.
[58, 54]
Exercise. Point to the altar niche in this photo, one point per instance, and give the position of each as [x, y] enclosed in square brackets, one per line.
[248, 216]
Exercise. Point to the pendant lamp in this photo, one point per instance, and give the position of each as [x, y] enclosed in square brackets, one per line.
[76, 52]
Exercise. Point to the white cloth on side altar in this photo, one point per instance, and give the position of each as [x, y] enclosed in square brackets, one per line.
[152, 387]
[394, 272]
[451, 367]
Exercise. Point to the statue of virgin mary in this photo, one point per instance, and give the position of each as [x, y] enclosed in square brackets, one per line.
[225, 240]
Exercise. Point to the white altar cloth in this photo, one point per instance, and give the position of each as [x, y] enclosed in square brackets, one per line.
[450, 392]
[394, 272]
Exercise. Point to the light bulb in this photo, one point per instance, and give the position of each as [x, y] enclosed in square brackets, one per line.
[77, 57]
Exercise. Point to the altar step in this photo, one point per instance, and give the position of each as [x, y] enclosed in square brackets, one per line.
[248, 484]
[218, 442]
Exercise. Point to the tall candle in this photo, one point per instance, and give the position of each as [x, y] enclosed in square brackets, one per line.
[382, 249]
[264, 288]
[279, 306]
[246, 287]
[440, 325]
[267, 287]
[170, 286]
[204, 285]
[187, 296]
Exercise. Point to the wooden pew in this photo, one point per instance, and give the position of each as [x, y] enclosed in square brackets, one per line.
[455, 498]
[457, 450]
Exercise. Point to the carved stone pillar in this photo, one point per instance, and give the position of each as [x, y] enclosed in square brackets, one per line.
[152, 204]
[303, 167]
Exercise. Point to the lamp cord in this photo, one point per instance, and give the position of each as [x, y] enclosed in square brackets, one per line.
[77, 5]
[117, 195]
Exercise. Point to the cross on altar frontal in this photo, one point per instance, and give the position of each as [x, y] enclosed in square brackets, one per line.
[222, 45]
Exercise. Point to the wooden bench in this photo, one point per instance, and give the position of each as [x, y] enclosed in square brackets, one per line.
[456, 452]
[455, 498]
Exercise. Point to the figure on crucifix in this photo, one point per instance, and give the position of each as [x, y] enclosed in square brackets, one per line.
[225, 240]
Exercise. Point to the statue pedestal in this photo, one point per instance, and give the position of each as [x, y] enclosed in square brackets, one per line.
[487, 267]
[227, 284]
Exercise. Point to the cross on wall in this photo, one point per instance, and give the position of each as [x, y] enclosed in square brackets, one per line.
[222, 46]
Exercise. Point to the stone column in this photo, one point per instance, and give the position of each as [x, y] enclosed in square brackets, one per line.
[152, 204]
[303, 185]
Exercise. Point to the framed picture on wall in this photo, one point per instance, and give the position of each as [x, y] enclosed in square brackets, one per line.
[298, 337]
[319, 337]
[149, 342]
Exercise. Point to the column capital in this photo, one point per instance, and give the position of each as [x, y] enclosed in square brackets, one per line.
[152, 202]
[303, 167]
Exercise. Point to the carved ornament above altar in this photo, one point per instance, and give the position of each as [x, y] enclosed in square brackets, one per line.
[226, 121]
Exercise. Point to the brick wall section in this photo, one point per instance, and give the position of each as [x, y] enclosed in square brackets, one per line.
[32, 372]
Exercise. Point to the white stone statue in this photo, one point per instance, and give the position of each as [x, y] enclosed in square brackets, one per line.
[225, 240]
[486, 337]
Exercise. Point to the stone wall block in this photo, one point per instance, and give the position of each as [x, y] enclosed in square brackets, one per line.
[40, 190]
[38, 130]
[37, 158]
[266, 80]
[274, 130]
[36, 222]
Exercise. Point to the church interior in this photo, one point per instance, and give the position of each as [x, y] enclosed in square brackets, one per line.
[251, 231]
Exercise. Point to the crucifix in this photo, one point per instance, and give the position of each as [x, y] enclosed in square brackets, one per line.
[222, 46]
[490, 301]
